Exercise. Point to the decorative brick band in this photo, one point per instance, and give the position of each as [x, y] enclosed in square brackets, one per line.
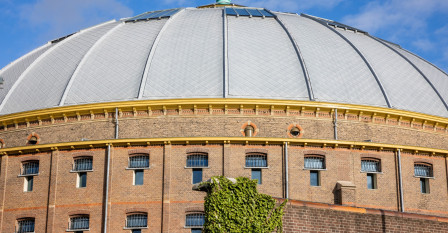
[81, 154]
[373, 156]
[197, 209]
[197, 150]
[136, 210]
[314, 152]
[254, 150]
[79, 212]
[29, 158]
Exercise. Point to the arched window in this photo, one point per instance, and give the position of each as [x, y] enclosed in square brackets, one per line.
[197, 161]
[424, 172]
[256, 161]
[314, 163]
[29, 170]
[371, 166]
[82, 165]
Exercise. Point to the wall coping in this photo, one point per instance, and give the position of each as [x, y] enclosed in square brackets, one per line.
[362, 210]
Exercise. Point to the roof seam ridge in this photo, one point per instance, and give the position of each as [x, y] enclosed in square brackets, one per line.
[151, 54]
[416, 68]
[32, 65]
[81, 63]
[225, 54]
[383, 90]
[21, 58]
[299, 56]
[421, 58]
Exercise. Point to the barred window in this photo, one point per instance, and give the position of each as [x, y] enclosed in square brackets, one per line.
[314, 162]
[195, 220]
[370, 165]
[139, 161]
[197, 160]
[30, 168]
[422, 170]
[25, 225]
[137, 220]
[256, 160]
[83, 164]
[79, 223]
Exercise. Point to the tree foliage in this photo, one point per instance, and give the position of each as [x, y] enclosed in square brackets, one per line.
[238, 207]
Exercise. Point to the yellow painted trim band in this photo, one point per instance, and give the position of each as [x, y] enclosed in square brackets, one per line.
[189, 103]
[218, 140]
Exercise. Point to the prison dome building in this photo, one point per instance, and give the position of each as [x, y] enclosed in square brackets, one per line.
[107, 129]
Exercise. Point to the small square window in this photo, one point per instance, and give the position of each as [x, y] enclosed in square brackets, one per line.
[139, 161]
[197, 175]
[83, 164]
[138, 177]
[314, 162]
[136, 231]
[29, 183]
[30, 168]
[196, 230]
[195, 221]
[256, 175]
[80, 222]
[371, 181]
[82, 180]
[314, 178]
[137, 221]
[197, 160]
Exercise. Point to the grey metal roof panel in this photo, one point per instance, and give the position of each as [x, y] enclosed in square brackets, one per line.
[188, 60]
[262, 60]
[114, 67]
[437, 77]
[12, 72]
[52, 73]
[337, 73]
[406, 88]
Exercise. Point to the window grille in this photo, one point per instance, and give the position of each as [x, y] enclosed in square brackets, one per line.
[256, 161]
[30, 168]
[197, 160]
[137, 220]
[314, 162]
[139, 161]
[79, 223]
[83, 164]
[422, 170]
[195, 220]
[370, 165]
[25, 225]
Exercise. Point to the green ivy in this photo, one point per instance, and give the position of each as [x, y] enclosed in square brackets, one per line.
[238, 207]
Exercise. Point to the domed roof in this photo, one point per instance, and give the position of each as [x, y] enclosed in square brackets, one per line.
[223, 52]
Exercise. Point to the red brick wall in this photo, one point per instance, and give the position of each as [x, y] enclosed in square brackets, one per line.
[324, 218]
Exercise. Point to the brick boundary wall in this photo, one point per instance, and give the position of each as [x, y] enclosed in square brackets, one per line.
[316, 217]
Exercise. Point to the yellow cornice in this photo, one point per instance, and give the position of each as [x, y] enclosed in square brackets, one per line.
[368, 146]
[216, 102]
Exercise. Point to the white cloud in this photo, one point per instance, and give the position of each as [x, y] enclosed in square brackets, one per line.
[409, 15]
[423, 44]
[60, 17]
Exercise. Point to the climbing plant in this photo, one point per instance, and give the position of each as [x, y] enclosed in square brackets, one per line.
[238, 207]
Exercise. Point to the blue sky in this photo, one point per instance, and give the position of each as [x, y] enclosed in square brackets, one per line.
[420, 26]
